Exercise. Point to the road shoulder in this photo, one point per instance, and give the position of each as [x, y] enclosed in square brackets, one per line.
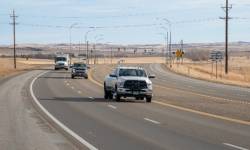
[22, 127]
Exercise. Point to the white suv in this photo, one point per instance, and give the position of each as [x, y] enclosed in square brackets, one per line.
[128, 82]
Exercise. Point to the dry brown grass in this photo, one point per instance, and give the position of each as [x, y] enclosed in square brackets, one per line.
[131, 60]
[239, 71]
[6, 65]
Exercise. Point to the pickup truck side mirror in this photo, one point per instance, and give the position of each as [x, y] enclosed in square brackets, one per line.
[113, 75]
[151, 76]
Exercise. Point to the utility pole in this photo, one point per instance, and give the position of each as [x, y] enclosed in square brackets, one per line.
[87, 57]
[166, 51]
[167, 47]
[170, 40]
[182, 45]
[182, 50]
[94, 54]
[80, 44]
[111, 55]
[70, 35]
[226, 18]
[87, 42]
[13, 16]
[170, 49]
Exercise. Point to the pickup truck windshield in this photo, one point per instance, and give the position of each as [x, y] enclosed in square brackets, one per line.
[80, 65]
[60, 59]
[132, 72]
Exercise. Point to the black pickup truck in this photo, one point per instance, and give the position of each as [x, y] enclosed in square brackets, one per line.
[79, 70]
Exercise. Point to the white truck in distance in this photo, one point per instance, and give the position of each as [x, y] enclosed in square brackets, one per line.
[128, 82]
[62, 61]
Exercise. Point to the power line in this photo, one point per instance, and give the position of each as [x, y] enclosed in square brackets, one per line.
[95, 17]
[201, 20]
[121, 26]
[3, 14]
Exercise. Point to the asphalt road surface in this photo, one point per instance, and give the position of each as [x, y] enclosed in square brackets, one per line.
[136, 125]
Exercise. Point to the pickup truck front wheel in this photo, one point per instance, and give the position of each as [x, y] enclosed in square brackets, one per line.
[107, 94]
[148, 99]
[117, 96]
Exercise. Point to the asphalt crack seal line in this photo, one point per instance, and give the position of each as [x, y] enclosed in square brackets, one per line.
[60, 126]
[186, 109]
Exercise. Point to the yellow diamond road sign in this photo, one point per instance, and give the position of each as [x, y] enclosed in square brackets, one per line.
[179, 53]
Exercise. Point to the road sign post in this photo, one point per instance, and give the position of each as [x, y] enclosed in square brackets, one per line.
[179, 55]
[216, 56]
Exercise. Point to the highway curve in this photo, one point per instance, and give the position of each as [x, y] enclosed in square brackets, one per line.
[108, 125]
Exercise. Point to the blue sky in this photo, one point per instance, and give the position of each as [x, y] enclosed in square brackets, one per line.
[35, 15]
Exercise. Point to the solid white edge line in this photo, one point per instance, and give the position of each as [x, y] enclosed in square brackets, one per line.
[61, 125]
[152, 121]
[112, 106]
[235, 146]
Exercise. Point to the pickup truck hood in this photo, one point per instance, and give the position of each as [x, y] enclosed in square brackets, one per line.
[135, 78]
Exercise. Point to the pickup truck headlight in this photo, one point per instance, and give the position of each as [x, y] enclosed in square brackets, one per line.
[120, 83]
[150, 86]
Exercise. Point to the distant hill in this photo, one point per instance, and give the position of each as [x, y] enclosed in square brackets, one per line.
[25, 49]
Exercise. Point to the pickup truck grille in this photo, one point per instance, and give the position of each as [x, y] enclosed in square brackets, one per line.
[135, 85]
[80, 70]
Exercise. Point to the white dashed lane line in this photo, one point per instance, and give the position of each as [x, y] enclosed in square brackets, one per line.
[235, 146]
[112, 106]
[152, 121]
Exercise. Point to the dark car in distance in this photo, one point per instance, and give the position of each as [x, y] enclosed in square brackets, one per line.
[79, 70]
